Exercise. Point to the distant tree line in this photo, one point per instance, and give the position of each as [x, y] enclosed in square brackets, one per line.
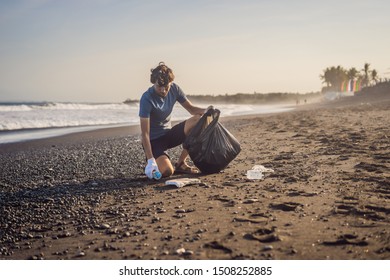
[249, 98]
[335, 76]
[254, 98]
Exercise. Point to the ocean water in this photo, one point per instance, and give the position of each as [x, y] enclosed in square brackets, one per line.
[26, 121]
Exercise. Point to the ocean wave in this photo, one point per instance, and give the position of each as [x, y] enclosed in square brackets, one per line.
[22, 107]
[15, 108]
[61, 115]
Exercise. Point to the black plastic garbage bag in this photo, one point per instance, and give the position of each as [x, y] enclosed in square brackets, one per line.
[211, 146]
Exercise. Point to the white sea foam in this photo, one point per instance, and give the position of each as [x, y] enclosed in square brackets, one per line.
[53, 106]
[49, 115]
[22, 116]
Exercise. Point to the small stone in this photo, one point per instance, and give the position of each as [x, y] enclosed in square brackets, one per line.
[104, 226]
[250, 201]
[179, 216]
[268, 247]
[188, 253]
[180, 251]
[112, 231]
[64, 234]
[294, 251]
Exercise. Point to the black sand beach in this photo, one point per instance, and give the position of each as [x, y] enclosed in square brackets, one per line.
[84, 195]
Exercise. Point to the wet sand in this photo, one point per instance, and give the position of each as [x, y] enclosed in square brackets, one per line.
[84, 196]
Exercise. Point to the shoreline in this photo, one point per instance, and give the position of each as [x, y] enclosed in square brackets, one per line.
[30, 132]
[345, 101]
[101, 132]
[84, 195]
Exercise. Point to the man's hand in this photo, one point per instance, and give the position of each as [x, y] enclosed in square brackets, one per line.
[150, 167]
[211, 107]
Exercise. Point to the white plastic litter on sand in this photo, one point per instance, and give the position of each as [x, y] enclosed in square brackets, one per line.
[257, 172]
[181, 182]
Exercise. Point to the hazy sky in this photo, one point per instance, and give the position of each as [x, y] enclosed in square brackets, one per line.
[103, 50]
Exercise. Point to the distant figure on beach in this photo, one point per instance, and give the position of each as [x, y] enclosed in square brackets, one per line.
[158, 136]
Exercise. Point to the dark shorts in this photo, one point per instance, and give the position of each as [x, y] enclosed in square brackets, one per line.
[174, 137]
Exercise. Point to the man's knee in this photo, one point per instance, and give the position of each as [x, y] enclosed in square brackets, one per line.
[165, 166]
[168, 171]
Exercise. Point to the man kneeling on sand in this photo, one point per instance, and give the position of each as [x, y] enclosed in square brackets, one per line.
[158, 136]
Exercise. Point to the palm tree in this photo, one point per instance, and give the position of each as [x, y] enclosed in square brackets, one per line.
[374, 75]
[352, 73]
[326, 77]
[366, 75]
[334, 77]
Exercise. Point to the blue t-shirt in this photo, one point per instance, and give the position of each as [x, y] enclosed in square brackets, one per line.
[158, 109]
